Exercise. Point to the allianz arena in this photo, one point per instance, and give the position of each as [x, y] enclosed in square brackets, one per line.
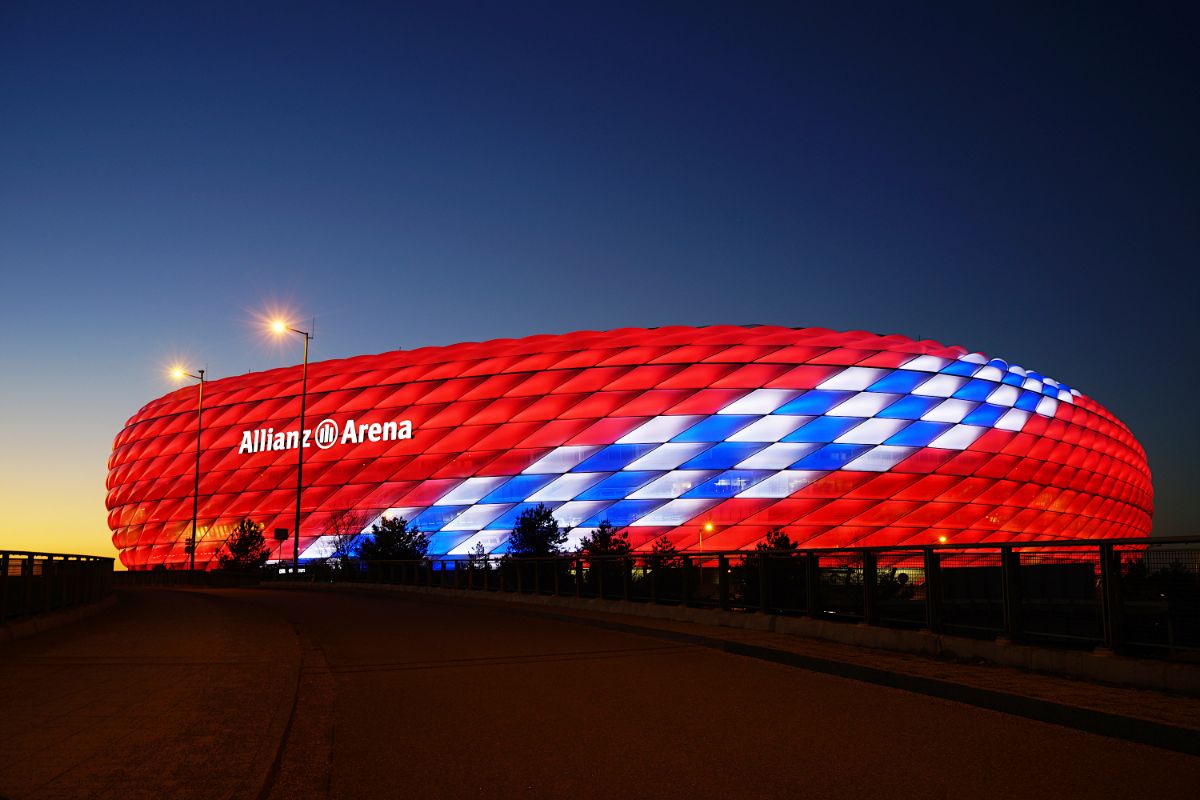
[838, 438]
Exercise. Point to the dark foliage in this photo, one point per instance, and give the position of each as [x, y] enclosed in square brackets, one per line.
[605, 541]
[536, 534]
[663, 555]
[777, 540]
[393, 539]
[246, 547]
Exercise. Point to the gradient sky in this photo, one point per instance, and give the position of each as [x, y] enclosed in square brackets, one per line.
[1015, 179]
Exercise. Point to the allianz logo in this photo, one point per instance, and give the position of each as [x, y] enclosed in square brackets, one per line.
[325, 435]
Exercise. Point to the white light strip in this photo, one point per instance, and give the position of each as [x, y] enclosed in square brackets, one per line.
[561, 459]
[779, 456]
[769, 429]
[673, 484]
[675, 512]
[471, 491]
[854, 378]
[783, 484]
[660, 429]
[760, 401]
[669, 456]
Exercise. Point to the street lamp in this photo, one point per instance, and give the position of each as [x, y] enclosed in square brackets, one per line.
[280, 327]
[707, 527]
[179, 373]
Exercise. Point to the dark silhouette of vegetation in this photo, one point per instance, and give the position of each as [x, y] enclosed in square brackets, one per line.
[536, 533]
[393, 539]
[785, 574]
[345, 528]
[605, 541]
[246, 548]
[606, 549]
[663, 555]
[776, 541]
[664, 569]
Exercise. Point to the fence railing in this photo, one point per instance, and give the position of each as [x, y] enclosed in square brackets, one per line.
[1135, 595]
[32, 583]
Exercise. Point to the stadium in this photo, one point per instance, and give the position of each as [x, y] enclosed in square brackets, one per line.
[708, 436]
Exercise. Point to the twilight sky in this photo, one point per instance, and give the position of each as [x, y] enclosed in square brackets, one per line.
[1015, 179]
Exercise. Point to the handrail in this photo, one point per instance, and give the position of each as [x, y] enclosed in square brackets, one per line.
[40, 554]
[1139, 595]
[33, 582]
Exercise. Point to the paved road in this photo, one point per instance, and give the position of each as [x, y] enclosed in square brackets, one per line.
[193, 695]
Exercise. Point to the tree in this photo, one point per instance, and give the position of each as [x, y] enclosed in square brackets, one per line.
[536, 533]
[394, 539]
[605, 541]
[663, 554]
[776, 541]
[345, 528]
[246, 548]
[784, 574]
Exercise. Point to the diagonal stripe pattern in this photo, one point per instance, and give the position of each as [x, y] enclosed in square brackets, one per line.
[839, 438]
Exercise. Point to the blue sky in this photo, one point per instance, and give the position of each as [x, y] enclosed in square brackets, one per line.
[1015, 179]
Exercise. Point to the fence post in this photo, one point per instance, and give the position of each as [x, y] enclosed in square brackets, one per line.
[627, 578]
[557, 565]
[812, 578]
[1110, 588]
[537, 576]
[3, 586]
[1010, 579]
[870, 567]
[579, 577]
[933, 590]
[654, 568]
[687, 581]
[764, 581]
[722, 582]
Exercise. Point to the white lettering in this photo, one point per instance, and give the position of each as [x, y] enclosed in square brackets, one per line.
[325, 435]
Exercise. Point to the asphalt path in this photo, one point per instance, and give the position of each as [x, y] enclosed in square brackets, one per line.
[296, 694]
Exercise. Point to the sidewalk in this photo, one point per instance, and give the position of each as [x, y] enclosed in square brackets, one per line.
[1142, 715]
[139, 702]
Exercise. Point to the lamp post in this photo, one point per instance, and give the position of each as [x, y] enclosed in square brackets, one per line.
[280, 327]
[179, 373]
[707, 527]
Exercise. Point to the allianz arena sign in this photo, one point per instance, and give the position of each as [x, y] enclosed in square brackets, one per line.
[325, 435]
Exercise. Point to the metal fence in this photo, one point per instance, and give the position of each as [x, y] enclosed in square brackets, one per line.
[32, 583]
[1140, 596]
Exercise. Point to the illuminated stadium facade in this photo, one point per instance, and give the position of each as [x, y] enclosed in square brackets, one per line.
[838, 438]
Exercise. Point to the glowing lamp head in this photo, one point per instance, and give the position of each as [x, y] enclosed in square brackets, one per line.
[941, 540]
[708, 527]
[278, 326]
[178, 373]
